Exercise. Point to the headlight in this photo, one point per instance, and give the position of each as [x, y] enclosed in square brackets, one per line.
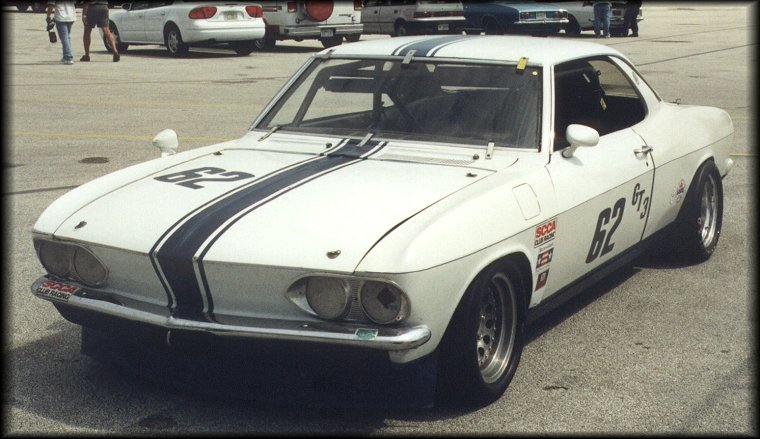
[87, 268]
[56, 257]
[329, 297]
[383, 303]
[70, 261]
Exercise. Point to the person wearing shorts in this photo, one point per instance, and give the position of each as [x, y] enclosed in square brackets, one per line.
[95, 13]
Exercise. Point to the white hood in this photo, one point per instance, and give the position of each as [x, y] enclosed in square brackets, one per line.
[246, 206]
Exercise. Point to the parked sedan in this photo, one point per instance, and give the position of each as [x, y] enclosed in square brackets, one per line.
[500, 17]
[426, 197]
[179, 25]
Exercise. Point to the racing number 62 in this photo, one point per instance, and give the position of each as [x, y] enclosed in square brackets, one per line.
[600, 244]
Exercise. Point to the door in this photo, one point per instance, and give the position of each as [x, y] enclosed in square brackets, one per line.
[602, 192]
[155, 17]
[371, 17]
[132, 25]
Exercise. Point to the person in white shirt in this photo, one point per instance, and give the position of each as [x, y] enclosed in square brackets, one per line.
[65, 14]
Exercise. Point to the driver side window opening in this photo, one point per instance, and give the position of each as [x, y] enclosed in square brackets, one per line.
[595, 93]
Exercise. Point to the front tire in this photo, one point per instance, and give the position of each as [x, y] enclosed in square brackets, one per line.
[173, 41]
[400, 29]
[483, 343]
[121, 47]
[700, 221]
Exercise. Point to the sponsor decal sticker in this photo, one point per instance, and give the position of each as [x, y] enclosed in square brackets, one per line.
[56, 290]
[541, 280]
[545, 232]
[678, 192]
[544, 258]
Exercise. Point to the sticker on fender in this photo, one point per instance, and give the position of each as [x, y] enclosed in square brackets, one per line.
[56, 290]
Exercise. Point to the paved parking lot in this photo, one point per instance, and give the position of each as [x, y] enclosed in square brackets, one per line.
[657, 349]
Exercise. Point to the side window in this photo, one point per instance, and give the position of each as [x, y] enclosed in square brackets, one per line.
[595, 93]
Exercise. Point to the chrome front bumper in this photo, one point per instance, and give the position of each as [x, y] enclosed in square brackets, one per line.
[382, 338]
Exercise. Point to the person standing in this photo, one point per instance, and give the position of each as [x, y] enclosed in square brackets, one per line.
[95, 13]
[629, 18]
[602, 18]
[65, 14]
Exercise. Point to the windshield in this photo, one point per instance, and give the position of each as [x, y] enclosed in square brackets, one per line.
[428, 101]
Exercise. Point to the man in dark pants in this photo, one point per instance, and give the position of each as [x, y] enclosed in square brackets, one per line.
[629, 18]
[95, 13]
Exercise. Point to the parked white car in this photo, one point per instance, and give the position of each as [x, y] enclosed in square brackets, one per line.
[410, 17]
[423, 196]
[179, 25]
[325, 20]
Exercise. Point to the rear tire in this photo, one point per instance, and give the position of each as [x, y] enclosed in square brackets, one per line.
[331, 41]
[700, 221]
[352, 38]
[481, 348]
[173, 41]
[400, 29]
[244, 48]
[573, 28]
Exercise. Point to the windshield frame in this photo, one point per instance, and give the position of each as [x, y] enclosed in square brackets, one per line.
[315, 61]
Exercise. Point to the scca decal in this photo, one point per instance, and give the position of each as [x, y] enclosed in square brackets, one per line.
[545, 232]
[56, 290]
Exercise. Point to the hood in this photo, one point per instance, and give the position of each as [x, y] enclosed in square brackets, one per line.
[295, 208]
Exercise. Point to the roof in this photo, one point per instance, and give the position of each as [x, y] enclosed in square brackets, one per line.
[538, 50]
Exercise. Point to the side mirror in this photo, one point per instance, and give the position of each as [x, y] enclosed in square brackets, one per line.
[167, 142]
[126, 6]
[579, 136]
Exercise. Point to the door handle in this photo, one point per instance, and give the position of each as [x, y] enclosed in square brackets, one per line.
[643, 150]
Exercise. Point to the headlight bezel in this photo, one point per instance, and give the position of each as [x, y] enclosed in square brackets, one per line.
[354, 311]
[96, 275]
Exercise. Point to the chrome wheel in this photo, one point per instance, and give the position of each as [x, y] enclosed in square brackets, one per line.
[497, 327]
[708, 218]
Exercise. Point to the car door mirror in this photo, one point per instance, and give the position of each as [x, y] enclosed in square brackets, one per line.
[126, 6]
[167, 142]
[579, 136]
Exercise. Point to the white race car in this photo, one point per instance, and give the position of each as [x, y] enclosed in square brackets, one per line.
[181, 24]
[424, 196]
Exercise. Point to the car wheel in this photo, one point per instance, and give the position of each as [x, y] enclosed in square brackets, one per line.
[121, 47]
[331, 41]
[491, 27]
[173, 41]
[400, 29]
[573, 28]
[39, 7]
[244, 48]
[699, 224]
[352, 38]
[483, 343]
[265, 43]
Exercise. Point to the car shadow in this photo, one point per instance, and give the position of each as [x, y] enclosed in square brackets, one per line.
[207, 53]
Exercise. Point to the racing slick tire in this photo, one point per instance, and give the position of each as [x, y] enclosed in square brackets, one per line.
[481, 348]
[701, 218]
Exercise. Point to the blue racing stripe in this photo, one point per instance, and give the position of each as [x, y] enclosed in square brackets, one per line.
[175, 256]
[425, 47]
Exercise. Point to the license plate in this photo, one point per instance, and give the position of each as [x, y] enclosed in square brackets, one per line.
[541, 15]
[443, 26]
[326, 33]
[230, 15]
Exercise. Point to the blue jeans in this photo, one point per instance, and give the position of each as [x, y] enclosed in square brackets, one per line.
[64, 34]
[602, 18]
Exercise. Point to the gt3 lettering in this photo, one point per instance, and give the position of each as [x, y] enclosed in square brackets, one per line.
[192, 177]
[602, 243]
[638, 199]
